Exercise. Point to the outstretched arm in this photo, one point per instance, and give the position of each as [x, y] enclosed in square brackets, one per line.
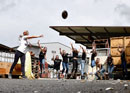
[31, 37]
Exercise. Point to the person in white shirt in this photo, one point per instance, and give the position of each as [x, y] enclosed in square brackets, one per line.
[21, 51]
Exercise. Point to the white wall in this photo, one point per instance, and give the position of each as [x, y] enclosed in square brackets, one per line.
[54, 46]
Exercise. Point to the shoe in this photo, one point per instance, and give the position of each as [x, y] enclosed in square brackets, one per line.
[24, 77]
[10, 76]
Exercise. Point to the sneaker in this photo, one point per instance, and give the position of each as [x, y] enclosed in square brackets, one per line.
[24, 77]
[10, 76]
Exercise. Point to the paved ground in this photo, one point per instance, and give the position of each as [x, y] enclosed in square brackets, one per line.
[62, 86]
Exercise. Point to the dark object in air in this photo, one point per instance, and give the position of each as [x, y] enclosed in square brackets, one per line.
[64, 14]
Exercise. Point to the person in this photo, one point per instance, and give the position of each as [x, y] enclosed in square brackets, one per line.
[65, 63]
[94, 54]
[123, 61]
[83, 61]
[21, 51]
[42, 57]
[57, 63]
[100, 71]
[110, 66]
[75, 60]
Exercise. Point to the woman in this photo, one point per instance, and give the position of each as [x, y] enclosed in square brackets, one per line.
[83, 61]
[57, 63]
[21, 51]
[65, 63]
[100, 71]
[110, 66]
[75, 60]
[42, 57]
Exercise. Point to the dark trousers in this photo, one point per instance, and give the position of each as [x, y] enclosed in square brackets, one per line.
[18, 55]
[75, 66]
[124, 68]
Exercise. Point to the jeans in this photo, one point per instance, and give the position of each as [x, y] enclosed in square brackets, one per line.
[42, 64]
[124, 68]
[18, 55]
[65, 65]
[93, 63]
[110, 70]
[82, 67]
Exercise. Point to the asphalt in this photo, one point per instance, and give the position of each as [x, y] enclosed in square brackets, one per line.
[63, 86]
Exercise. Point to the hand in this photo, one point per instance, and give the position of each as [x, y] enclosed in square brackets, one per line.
[41, 36]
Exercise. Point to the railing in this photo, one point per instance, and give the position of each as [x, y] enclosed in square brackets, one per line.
[6, 56]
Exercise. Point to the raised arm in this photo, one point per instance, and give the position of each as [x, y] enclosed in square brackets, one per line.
[83, 50]
[39, 44]
[118, 49]
[31, 37]
[61, 51]
[53, 58]
[72, 46]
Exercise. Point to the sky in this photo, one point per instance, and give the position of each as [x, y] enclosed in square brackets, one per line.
[37, 15]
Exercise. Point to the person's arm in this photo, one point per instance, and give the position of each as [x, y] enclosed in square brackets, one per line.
[61, 51]
[72, 46]
[118, 49]
[39, 44]
[31, 37]
[83, 50]
[53, 58]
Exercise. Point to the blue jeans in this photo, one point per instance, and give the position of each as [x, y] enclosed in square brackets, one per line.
[82, 67]
[93, 63]
[110, 70]
[42, 64]
[65, 65]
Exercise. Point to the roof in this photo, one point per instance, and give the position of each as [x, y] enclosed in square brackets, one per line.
[5, 48]
[87, 34]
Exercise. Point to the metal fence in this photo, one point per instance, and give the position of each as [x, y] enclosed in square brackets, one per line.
[6, 56]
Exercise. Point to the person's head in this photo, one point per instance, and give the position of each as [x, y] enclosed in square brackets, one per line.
[123, 50]
[25, 33]
[64, 52]
[45, 49]
[109, 56]
[97, 61]
[57, 57]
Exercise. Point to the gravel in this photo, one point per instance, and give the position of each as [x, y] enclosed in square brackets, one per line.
[63, 86]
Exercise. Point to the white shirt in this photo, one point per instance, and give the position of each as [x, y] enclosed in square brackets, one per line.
[23, 45]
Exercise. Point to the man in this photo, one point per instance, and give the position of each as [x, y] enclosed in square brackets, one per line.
[123, 62]
[57, 63]
[65, 63]
[21, 51]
